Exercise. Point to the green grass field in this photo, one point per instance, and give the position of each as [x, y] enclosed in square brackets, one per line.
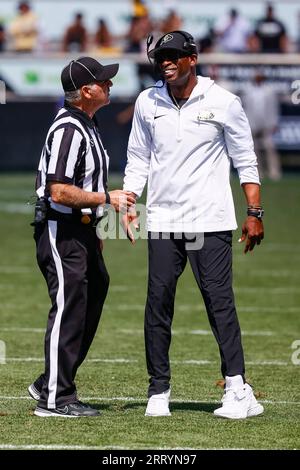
[114, 378]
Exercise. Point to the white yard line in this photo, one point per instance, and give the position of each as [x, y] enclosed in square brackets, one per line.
[197, 362]
[274, 273]
[57, 447]
[200, 308]
[122, 288]
[196, 307]
[244, 333]
[41, 359]
[77, 447]
[144, 400]
[16, 208]
[114, 361]
[271, 290]
[282, 310]
[24, 330]
[16, 270]
[139, 332]
[288, 247]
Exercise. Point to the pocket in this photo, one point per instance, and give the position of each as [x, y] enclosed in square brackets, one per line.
[225, 236]
[37, 232]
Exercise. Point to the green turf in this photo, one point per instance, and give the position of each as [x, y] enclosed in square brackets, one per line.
[268, 300]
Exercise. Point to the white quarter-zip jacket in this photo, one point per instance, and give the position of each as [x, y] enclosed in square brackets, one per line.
[185, 156]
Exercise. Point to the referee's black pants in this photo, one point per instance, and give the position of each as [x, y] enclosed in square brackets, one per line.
[212, 268]
[72, 264]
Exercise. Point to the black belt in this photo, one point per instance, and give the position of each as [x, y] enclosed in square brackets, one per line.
[75, 218]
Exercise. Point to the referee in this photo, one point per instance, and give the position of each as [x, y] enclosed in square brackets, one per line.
[71, 186]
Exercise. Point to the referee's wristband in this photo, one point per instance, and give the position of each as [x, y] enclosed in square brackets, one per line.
[107, 198]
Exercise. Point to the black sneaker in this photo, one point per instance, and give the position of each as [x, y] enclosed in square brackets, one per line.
[35, 389]
[72, 410]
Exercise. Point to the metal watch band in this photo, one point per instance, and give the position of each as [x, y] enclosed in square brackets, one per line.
[107, 198]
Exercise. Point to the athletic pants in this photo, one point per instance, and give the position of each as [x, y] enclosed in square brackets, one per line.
[71, 261]
[212, 268]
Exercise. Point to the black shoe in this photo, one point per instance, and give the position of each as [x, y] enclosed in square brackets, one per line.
[35, 389]
[72, 410]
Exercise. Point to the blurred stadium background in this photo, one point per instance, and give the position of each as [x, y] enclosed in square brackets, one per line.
[267, 282]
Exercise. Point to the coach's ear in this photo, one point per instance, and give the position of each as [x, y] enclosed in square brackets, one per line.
[193, 60]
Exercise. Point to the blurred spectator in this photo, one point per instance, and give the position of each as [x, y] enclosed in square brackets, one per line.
[213, 71]
[270, 34]
[75, 38]
[139, 29]
[233, 32]
[2, 37]
[172, 22]
[261, 105]
[139, 8]
[206, 43]
[23, 29]
[298, 35]
[103, 37]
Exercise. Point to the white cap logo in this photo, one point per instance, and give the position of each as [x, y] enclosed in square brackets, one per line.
[166, 38]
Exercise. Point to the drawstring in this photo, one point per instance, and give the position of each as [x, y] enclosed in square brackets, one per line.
[178, 135]
[199, 109]
[153, 117]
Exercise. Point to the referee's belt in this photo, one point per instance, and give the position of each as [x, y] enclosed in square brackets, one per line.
[75, 218]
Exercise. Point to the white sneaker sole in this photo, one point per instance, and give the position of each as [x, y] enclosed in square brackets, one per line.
[255, 411]
[164, 414]
[48, 414]
[229, 416]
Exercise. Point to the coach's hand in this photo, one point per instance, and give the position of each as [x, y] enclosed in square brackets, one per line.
[252, 232]
[126, 220]
[121, 200]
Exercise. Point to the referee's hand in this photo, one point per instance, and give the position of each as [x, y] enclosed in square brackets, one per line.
[121, 200]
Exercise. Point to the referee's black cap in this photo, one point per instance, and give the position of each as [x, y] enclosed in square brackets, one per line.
[86, 70]
[180, 41]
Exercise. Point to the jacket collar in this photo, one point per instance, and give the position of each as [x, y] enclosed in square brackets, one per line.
[81, 115]
[203, 85]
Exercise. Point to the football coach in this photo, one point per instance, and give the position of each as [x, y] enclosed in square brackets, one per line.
[71, 185]
[186, 132]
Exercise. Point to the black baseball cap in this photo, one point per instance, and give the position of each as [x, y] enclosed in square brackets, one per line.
[86, 70]
[180, 41]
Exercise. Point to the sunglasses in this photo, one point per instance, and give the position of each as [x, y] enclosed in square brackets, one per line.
[169, 54]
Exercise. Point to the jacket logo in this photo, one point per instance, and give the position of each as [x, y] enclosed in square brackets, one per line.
[166, 38]
[205, 115]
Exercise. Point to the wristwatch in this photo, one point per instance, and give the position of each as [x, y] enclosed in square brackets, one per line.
[107, 198]
[257, 212]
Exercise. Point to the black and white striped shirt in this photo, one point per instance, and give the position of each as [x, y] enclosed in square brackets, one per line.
[73, 154]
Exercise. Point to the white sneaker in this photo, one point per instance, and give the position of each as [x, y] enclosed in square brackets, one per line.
[238, 401]
[158, 405]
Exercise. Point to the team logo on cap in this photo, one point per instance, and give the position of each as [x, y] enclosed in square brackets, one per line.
[166, 38]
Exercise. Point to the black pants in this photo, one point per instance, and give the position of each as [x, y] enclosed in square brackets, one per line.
[212, 268]
[71, 261]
